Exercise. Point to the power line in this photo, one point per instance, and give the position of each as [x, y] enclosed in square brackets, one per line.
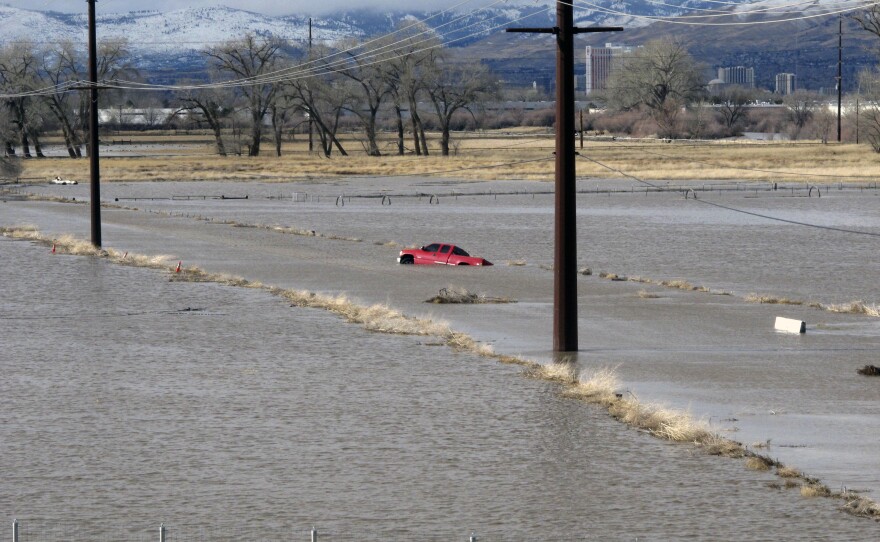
[313, 72]
[734, 209]
[677, 20]
[303, 71]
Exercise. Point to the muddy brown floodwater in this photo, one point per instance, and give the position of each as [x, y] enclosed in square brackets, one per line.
[246, 417]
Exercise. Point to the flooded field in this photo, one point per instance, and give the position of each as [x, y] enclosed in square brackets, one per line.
[282, 418]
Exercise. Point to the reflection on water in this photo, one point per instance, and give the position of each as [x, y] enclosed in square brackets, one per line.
[131, 400]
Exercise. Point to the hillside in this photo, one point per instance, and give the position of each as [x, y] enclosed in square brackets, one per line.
[165, 44]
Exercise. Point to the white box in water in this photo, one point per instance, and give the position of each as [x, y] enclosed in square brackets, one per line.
[790, 325]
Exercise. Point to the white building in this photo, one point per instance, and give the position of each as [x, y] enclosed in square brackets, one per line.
[601, 62]
[785, 83]
[737, 75]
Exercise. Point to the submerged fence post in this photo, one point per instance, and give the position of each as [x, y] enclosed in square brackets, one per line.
[473, 537]
[314, 534]
[162, 533]
[14, 530]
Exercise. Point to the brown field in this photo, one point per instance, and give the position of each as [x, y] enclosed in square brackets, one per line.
[525, 153]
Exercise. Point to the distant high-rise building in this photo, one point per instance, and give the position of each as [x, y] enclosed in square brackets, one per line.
[737, 75]
[785, 83]
[600, 64]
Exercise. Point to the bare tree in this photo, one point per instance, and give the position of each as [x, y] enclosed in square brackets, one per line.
[416, 58]
[250, 60]
[56, 69]
[17, 79]
[281, 110]
[113, 64]
[321, 98]
[662, 77]
[800, 107]
[153, 114]
[9, 164]
[457, 87]
[365, 67]
[732, 106]
[869, 19]
[823, 121]
[869, 83]
[209, 105]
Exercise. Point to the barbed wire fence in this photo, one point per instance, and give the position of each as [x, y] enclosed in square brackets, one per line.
[29, 530]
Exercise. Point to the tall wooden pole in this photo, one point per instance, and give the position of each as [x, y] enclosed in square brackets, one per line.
[311, 125]
[839, 74]
[565, 325]
[94, 164]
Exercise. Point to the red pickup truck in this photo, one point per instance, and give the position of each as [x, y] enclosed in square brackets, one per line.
[439, 253]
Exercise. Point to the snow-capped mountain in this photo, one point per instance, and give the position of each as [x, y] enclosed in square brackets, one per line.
[169, 41]
[193, 29]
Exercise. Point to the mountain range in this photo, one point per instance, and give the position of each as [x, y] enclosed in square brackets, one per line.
[164, 43]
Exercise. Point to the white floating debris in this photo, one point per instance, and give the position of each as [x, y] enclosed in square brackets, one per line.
[790, 325]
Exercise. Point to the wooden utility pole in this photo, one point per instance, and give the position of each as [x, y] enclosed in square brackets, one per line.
[94, 164]
[311, 129]
[839, 72]
[565, 325]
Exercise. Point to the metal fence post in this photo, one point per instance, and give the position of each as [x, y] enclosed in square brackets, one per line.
[162, 533]
[473, 537]
[14, 530]
[314, 534]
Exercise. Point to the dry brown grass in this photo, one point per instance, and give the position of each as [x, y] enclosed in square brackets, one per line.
[645, 294]
[855, 307]
[679, 284]
[462, 296]
[861, 506]
[496, 152]
[758, 463]
[815, 490]
[788, 472]
[772, 300]
[724, 447]
[564, 373]
[377, 317]
[601, 387]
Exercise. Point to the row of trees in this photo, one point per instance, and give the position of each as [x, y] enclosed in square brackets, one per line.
[256, 83]
[259, 84]
[39, 81]
[664, 84]
[388, 74]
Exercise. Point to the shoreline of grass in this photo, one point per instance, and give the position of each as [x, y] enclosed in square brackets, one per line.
[598, 388]
[858, 307]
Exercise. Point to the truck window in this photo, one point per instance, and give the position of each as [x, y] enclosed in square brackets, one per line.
[431, 248]
[459, 252]
[445, 249]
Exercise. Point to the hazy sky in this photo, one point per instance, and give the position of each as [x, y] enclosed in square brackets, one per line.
[269, 7]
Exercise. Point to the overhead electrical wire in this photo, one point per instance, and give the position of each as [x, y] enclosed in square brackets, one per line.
[322, 70]
[734, 209]
[297, 72]
[775, 8]
[286, 74]
[583, 4]
[143, 86]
